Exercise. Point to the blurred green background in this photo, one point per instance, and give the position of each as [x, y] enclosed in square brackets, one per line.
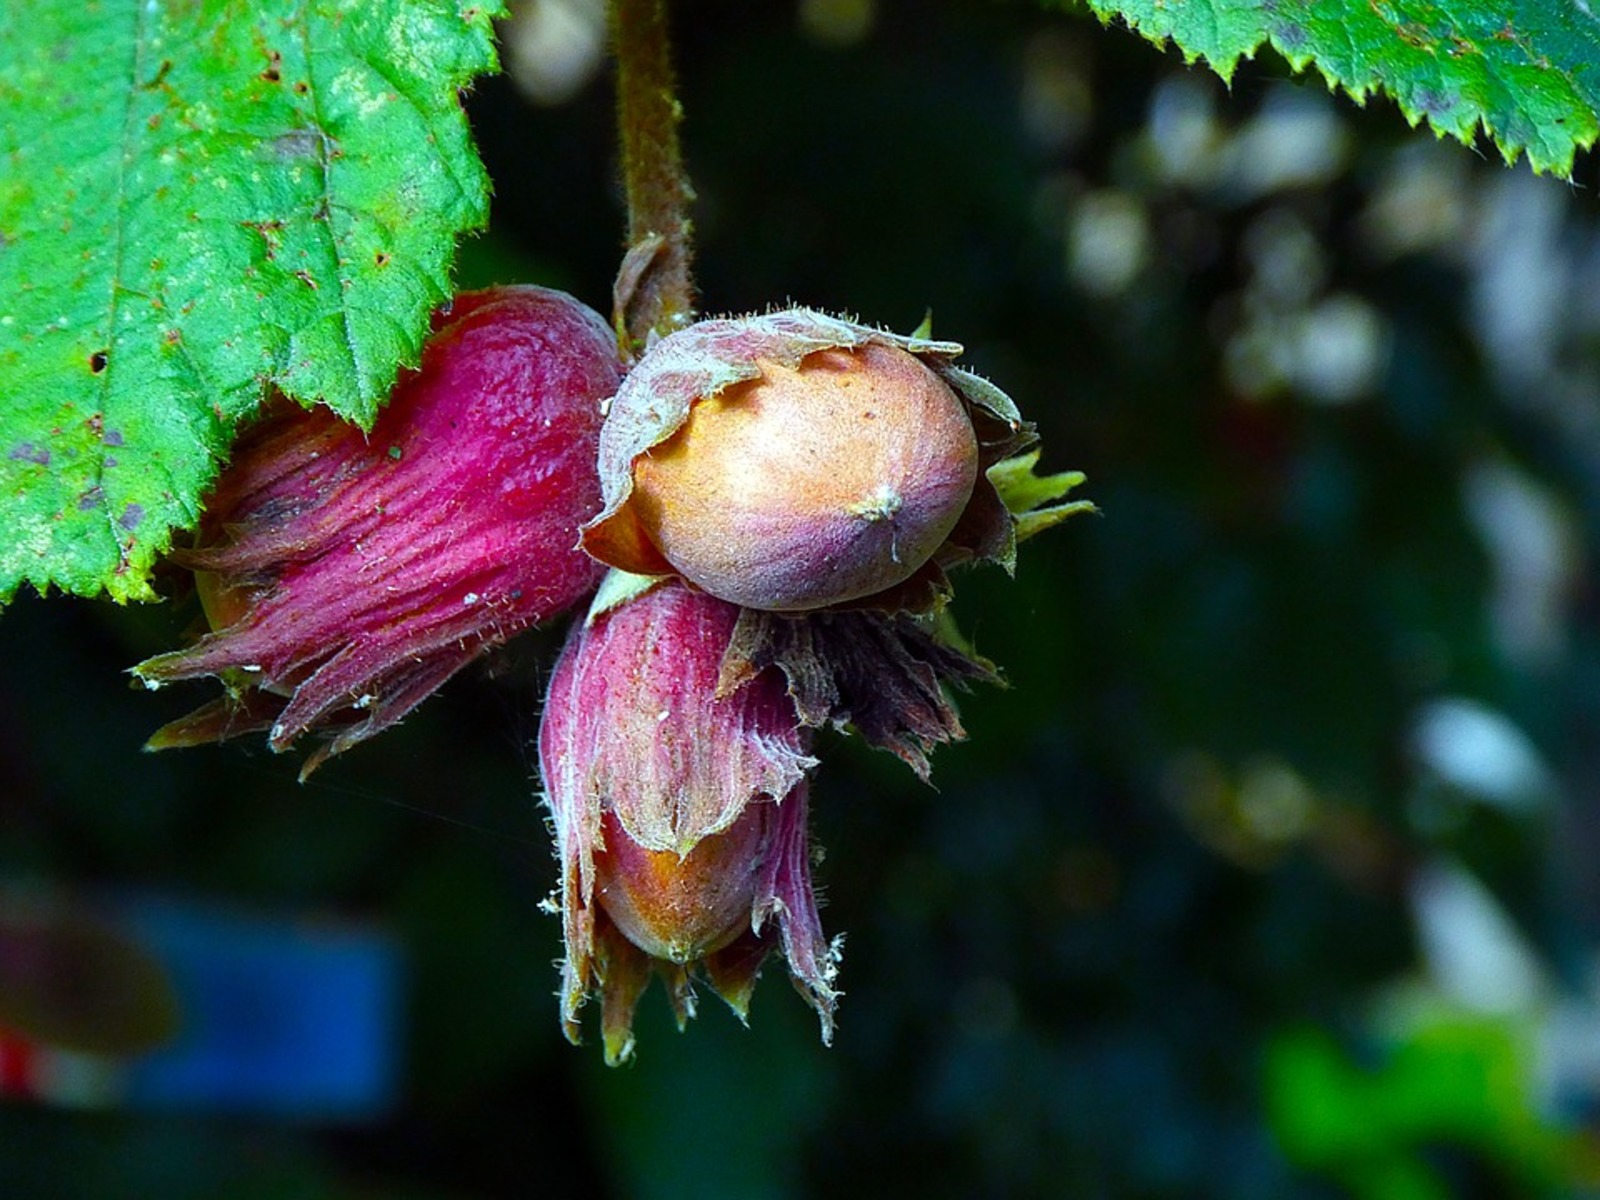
[1269, 875]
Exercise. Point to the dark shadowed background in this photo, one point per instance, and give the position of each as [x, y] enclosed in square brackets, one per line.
[1269, 875]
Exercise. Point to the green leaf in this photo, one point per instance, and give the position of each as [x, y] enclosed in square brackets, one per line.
[1527, 70]
[199, 198]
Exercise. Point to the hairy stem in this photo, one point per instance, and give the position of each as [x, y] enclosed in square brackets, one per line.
[653, 290]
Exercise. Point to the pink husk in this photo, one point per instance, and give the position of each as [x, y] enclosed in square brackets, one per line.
[634, 726]
[380, 564]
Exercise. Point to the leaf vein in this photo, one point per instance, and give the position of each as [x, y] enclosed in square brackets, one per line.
[329, 207]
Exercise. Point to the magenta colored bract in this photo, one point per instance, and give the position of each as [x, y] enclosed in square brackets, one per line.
[680, 815]
[348, 575]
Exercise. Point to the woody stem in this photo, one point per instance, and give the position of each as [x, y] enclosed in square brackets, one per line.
[654, 293]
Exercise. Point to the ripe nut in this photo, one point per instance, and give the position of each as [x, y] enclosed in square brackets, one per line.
[678, 800]
[811, 485]
[795, 461]
[348, 574]
[681, 908]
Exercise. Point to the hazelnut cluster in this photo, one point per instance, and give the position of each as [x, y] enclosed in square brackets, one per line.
[780, 500]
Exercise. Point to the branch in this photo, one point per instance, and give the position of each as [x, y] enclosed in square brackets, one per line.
[653, 292]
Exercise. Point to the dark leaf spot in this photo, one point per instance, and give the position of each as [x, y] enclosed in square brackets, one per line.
[271, 74]
[271, 233]
[130, 518]
[301, 88]
[28, 452]
[1416, 35]
[91, 499]
[97, 361]
[1289, 35]
[305, 277]
[381, 258]
[1435, 103]
[297, 143]
[113, 437]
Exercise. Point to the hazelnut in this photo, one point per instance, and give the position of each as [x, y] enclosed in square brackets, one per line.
[811, 485]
